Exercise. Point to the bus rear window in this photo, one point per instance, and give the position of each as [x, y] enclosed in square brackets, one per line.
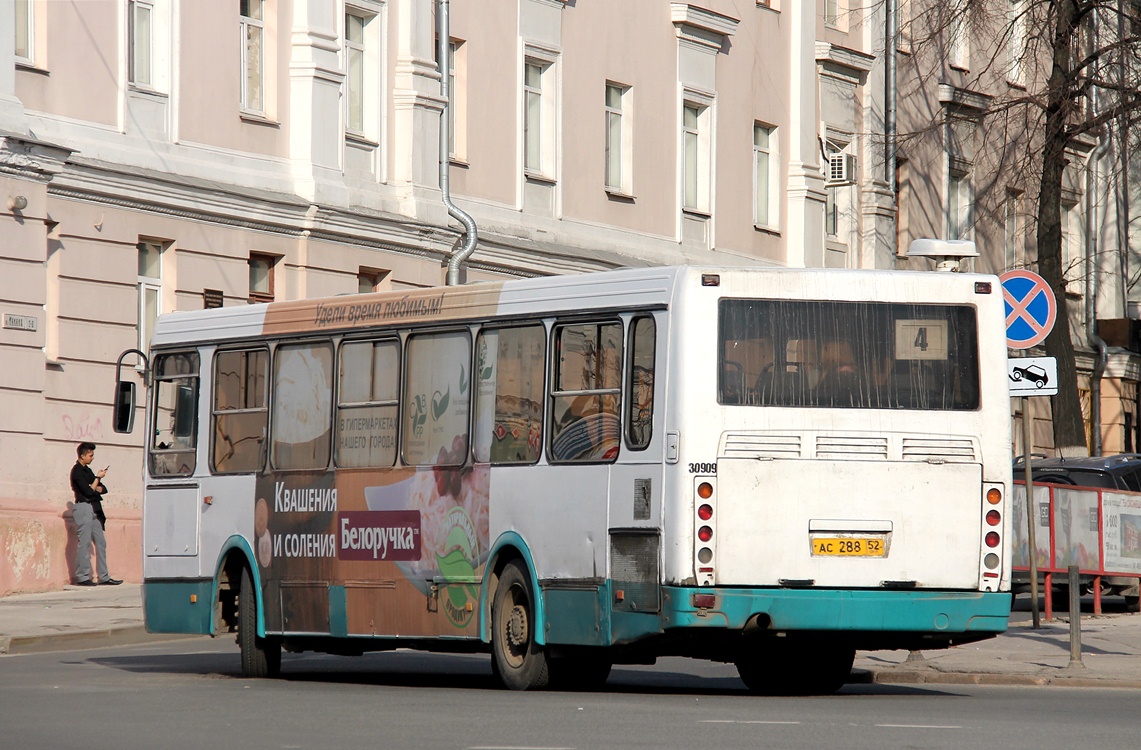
[863, 355]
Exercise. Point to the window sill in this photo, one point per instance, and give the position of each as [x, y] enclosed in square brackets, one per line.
[1016, 85]
[764, 229]
[960, 68]
[456, 161]
[358, 139]
[542, 179]
[696, 214]
[620, 196]
[146, 92]
[255, 118]
[30, 67]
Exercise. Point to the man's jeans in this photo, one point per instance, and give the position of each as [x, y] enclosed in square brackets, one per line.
[90, 530]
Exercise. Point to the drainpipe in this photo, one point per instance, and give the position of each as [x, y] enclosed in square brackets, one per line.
[1093, 163]
[444, 55]
[891, 96]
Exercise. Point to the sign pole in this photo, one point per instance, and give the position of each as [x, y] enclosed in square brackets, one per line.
[1031, 521]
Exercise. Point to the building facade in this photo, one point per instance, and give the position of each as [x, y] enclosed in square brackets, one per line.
[162, 155]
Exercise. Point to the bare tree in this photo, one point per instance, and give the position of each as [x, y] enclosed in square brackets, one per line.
[1055, 78]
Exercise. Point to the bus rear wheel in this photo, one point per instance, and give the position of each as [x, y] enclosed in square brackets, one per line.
[807, 669]
[520, 662]
[261, 657]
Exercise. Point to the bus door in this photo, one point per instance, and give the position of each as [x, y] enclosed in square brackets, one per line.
[171, 520]
[635, 497]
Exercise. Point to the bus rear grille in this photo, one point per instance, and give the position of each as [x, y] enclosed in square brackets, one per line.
[947, 449]
[856, 446]
[634, 571]
[776, 446]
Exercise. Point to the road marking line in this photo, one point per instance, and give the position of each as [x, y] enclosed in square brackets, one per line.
[744, 721]
[919, 726]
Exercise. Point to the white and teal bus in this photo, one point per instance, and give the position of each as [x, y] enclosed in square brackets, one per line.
[766, 467]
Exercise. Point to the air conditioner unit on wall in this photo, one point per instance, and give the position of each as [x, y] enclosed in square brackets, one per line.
[841, 170]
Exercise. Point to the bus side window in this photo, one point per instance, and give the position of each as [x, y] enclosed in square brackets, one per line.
[367, 409]
[640, 407]
[175, 431]
[509, 372]
[585, 424]
[302, 399]
[240, 411]
[437, 398]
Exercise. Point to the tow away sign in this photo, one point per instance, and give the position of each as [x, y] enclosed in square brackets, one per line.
[1032, 376]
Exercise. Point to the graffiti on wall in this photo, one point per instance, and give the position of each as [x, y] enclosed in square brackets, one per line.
[83, 426]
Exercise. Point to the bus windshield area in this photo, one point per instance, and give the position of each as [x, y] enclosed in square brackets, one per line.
[862, 355]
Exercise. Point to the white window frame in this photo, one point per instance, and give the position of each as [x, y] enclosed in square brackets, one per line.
[1017, 43]
[1012, 229]
[27, 28]
[147, 286]
[619, 139]
[766, 208]
[832, 13]
[539, 99]
[355, 64]
[959, 205]
[695, 151]
[958, 40]
[140, 44]
[252, 68]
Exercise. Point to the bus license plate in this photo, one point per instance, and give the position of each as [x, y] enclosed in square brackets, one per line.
[848, 546]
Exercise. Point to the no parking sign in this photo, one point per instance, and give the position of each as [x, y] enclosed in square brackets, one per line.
[1030, 308]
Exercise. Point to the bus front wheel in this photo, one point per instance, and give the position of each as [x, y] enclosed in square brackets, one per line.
[520, 662]
[261, 657]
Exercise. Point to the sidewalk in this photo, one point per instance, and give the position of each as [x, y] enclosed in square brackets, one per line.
[75, 618]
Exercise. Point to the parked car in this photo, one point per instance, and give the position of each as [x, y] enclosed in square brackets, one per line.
[1119, 472]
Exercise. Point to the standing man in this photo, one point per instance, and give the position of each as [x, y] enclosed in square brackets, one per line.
[88, 514]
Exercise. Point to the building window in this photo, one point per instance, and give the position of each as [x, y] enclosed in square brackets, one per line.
[695, 140]
[832, 13]
[1012, 229]
[140, 43]
[253, 48]
[619, 149]
[764, 164]
[150, 290]
[261, 277]
[959, 202]
[25, 31]
[1016, 44]
[957, 41]
[539, 117]
[354, 72]
[369, 281]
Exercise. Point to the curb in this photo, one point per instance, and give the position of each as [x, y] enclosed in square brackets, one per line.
[935, 677]
[87, 639]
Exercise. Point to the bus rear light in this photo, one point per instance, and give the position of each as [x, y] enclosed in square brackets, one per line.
[705, 490]
[705, 512]
[988, 574]
[992, 539]
[705, 533]
[993, 518]
[991, 560]
[704, 601]
[994, 496]
[704, 555]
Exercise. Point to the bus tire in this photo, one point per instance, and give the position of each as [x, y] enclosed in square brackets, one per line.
[261, 657]
[520, 662]
[579, 674]
[810, 669]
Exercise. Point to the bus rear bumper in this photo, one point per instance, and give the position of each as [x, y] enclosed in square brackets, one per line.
[932, 612]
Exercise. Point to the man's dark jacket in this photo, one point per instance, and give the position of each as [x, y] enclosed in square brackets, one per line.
[82, 477]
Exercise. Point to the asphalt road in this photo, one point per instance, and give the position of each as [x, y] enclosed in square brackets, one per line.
[188, 694]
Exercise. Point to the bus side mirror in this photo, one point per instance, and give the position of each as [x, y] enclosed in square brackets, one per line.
[124, 410]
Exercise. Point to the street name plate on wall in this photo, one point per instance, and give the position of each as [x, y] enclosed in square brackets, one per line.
[21, 322]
